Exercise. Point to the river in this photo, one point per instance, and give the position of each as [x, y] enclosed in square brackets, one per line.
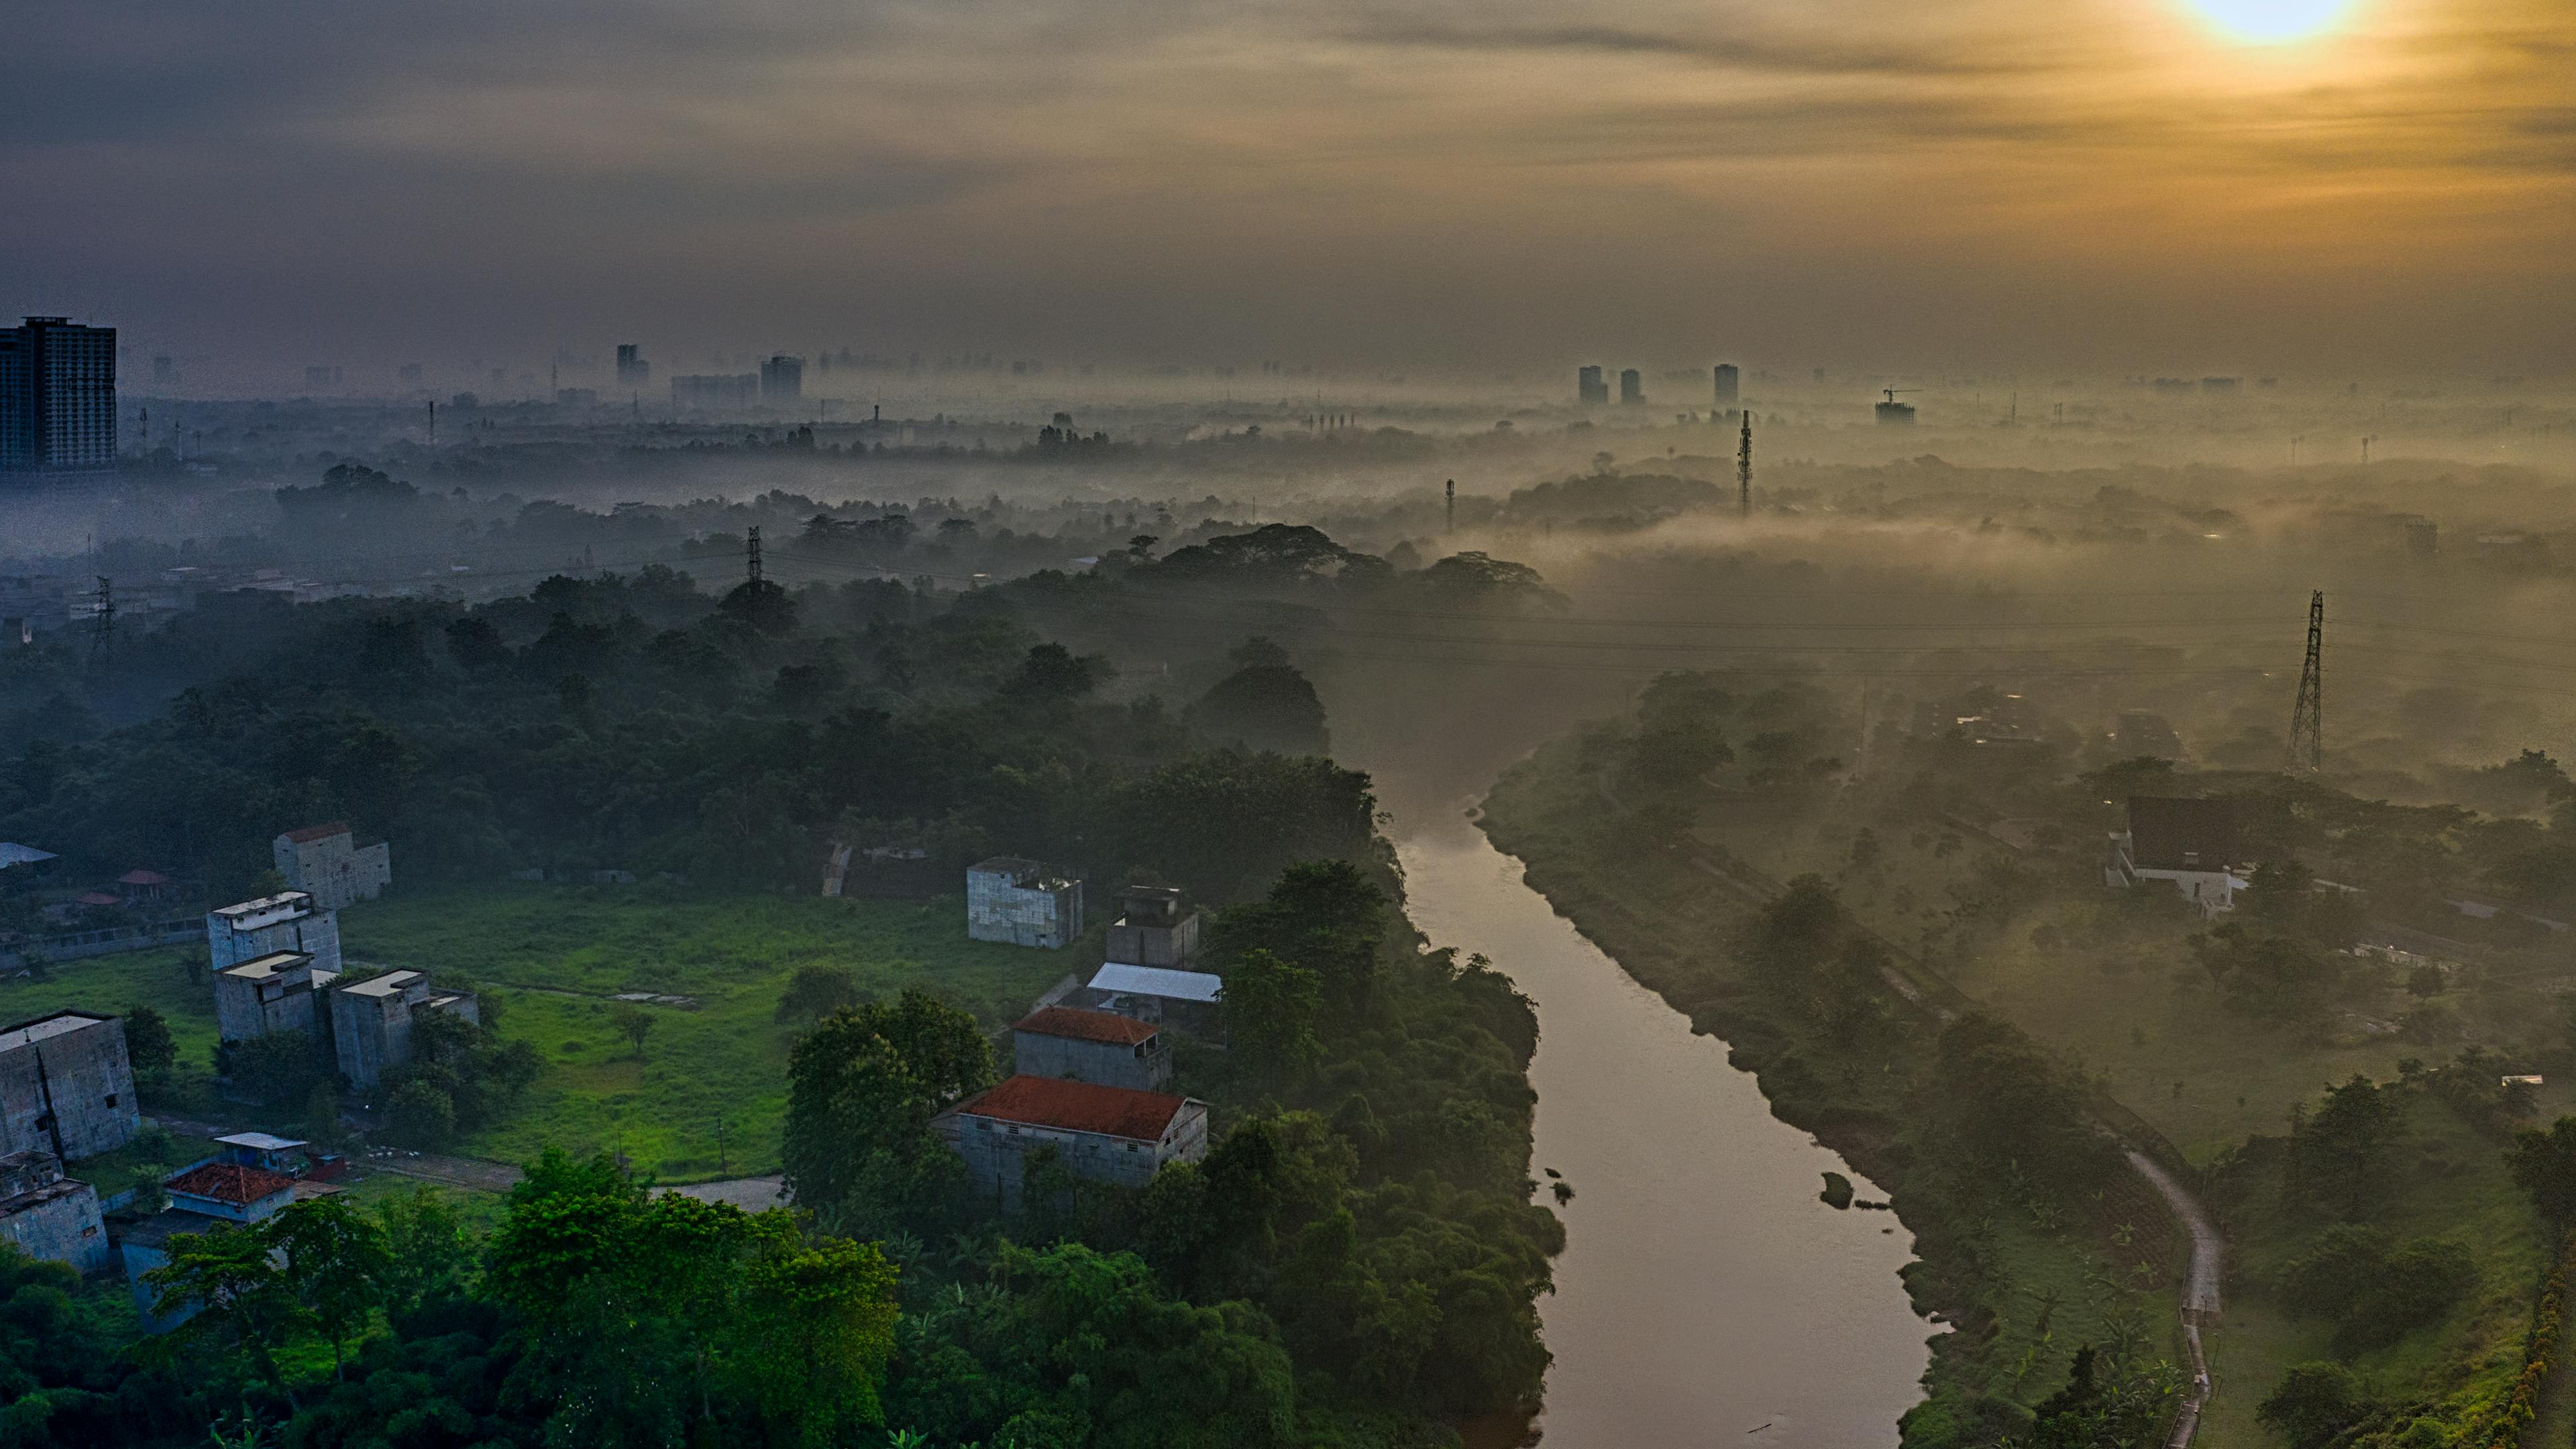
[1706, 1295]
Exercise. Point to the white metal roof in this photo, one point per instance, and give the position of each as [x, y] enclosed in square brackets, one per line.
[12, 853]
[1159, 981]
[260, 1142]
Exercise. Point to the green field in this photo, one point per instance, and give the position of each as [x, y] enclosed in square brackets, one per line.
[551, 955]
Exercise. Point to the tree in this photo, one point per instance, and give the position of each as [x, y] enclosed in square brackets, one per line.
[1264, 707]
[817, 991]
[336, 1261]
[427, 1253]
[149, 1047]
[276, 1070]
[1052, 671]
[2314, 1403]
[1270, 1008]
[635, 1024]
[2337, 1150]
[1327, 916]
[862, 1087]
[235, 1296]
[2544, 1163]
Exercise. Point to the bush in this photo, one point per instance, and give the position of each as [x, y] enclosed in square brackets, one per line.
[419, 1115]
[2314, 1403]
[2376, 1291]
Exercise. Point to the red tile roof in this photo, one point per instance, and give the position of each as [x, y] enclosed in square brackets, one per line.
[143, 878]
[1077, 1107]
[94, 898]
[311, 833]
[231, 1182]
[1074, 1022]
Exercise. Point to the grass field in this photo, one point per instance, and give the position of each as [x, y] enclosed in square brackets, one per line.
[551, 955]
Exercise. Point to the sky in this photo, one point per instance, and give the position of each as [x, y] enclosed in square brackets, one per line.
[2110, 185]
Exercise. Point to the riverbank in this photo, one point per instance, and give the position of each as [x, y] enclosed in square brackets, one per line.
[2024, 1291]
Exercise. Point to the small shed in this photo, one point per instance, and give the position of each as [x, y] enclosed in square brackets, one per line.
[1092, 1046]
[1186, 999]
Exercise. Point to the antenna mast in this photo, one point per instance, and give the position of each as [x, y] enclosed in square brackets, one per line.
[1744, 469]
[2308, 716]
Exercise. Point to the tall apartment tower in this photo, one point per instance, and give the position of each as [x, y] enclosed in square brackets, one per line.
[782, 379]
[1589, 387]
[1632, 387]
[57, 397]
[632, 369]
[1726, 384]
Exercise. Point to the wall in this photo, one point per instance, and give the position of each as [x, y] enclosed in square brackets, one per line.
[90, 1081]
[317, 933]
[59, 1223]
[997, 910]
[1110, 1064]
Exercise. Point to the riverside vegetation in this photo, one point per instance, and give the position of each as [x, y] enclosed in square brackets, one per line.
[2388, 1236]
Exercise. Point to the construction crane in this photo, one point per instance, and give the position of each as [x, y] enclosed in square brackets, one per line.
[1892, 411]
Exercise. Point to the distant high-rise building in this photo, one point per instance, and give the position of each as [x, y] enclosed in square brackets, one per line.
[57, 397]
[1632, 387]
[1590, 388]
[782, 379]
[1726, 383]
[632, 369]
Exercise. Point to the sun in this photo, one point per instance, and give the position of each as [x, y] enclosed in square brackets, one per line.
[2271, 22]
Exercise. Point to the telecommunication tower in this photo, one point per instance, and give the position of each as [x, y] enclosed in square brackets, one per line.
[1453, 505]
[2308, 716]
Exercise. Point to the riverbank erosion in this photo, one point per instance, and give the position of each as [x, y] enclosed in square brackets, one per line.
[2052, 1265]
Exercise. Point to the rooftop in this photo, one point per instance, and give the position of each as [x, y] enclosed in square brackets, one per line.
[44, 1028]
[389, 984]
[1024, 872]
[283, 904]
[259, 1142]
[274, 964]
[2177, 834]
[1077, 1107]
[231, 1182]
[311, 833]
[12, 853]
[1159, 981]
[1080, 1025]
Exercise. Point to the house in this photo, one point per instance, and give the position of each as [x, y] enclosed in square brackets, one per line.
[1100, 1047]
[288, 921]
[1186, 999]
[49, 1216]
[284, 1155]
[1152, 930]
[1023, 902]
[371, 1021]
[272, 993]
[1102, 1134]
[146, 889]
[327, 863]
[66, 1086]
[2196, 844]
[208, 1197]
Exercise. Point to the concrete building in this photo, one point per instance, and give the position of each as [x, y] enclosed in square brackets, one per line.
[1103, 1134]
[2196, 844]
[1589, 389]
[715, 391]
[67, 1086]
[1727, 384]
[632, 370]
[1185, 999]
[371, 1021]
[1023, 902]
[289, 921]
[1632, 387]
[269, 994]
[1099, 1047]
[265, 1151]
[57, 397]
[782, 380]
[1152, 929]
[327, 863]
[50, 1217]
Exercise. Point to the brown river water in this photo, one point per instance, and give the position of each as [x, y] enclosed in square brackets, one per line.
[1706, 1295]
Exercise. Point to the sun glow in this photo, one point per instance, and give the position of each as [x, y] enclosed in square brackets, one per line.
[2271, 22]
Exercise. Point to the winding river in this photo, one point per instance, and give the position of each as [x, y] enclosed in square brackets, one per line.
[1706, 1295]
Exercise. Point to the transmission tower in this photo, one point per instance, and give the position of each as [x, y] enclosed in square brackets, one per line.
[102, 623]
[1453, 506]
[1744, 469]
[2308, 716]
[754, 557]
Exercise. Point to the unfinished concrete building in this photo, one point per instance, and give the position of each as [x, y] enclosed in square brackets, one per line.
[1104, 1134]
[288, 921]
[66, 1086]
[1023, 902]
[371, 1021]
[50, 1217]
[1100, 1047]
[327, 863]
[270, 994]
[1152, 929]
